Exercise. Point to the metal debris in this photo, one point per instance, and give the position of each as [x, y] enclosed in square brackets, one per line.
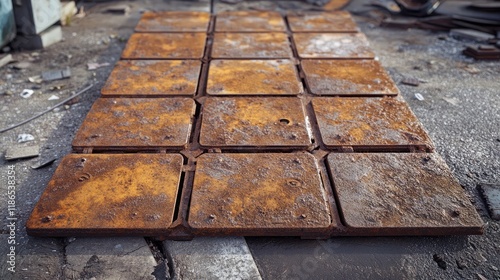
[13, 153]
[27, 93]
[56, 75]
[24, 137]
[491, 194]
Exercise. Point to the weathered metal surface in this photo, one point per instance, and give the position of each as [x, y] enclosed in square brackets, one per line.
[254, 122]
[401, 194]
[251, 45]
[339, 21]
[102, 194]
[165, 46]
[249, 21]
[332, 45]
[258, 194]
[375, 124]
[348, 77]
[153, 78]
[136, 124]
[173, 21]
[253, 77]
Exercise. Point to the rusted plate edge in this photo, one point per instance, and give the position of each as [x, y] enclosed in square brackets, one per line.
[396, 148]
[323, 232]
[252, 149]
[180, 229]
[97, 232]
[336, 222]
[161, 58]
[128, 149]
[253, 95]
[340, 94]
[145, 95]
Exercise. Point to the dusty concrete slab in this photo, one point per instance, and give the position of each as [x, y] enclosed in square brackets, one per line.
[34, 258]
[109, 258]
[212, 258]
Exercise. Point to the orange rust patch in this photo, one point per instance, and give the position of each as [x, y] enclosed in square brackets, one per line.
[165, 45]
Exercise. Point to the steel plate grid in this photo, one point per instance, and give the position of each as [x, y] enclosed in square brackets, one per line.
[136, 124]
[370, 124]
[254, 123]
[173, 21]
[333, 45]
[347, 77]
[251, 45]
[249, 21]
[253, 77]
[339, 21]
[165, 46]
[401, 194]
[103, 194]
[158, 78]
[258, 194]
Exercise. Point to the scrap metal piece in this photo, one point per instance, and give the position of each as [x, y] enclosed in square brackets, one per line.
[251, 45]
[253, 77]
[165, 46]
[136, 124]
[18, 152]
[173, 21]
[332, 45]
[254, 122]
[249, 21]
[348, 77]
[401, 194]
[491, 194]
[103, 194]
[370, 124]
[340, 21]
[258, 194]
[153, 78]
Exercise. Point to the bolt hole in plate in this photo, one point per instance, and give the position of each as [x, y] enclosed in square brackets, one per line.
[258, 194]
[118, 194]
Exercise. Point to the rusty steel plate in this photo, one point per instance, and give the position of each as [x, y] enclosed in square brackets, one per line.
[339, 21]
[136, 124]
[165, 46]
[332, 45]
[401, 194]
[382, 124]
[153, 78]
[251, 45]
[102, 194]
[253, 77]
[258, 194]
[348, 77]
[249, 21]
[173, 21]
[254, 122]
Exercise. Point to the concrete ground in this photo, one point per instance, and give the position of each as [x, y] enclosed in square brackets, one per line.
[459, 110]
